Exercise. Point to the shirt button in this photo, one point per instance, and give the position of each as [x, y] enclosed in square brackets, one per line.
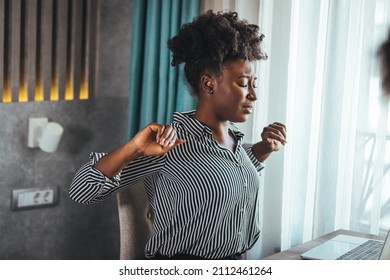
[245, 184]
[239, 233]
[242, 210]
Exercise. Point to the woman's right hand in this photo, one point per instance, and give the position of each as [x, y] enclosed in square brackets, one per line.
[155, 139]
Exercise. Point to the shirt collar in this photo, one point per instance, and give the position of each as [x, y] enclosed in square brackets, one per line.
[193, 126]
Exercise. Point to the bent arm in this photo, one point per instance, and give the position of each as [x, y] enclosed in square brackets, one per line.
[100, 177]
[91, 185]
[261, 151]
[142, 156]
[259, 165]
[153, 140]
[112, 163]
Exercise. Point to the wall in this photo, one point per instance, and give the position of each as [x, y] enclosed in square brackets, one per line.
[68, 230]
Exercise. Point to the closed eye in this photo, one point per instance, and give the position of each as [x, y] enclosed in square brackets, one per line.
[254, 83]
[243, 82]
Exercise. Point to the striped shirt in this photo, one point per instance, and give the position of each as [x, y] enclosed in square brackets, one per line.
[204, 197]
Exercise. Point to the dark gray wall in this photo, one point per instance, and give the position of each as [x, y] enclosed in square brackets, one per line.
[68, 230]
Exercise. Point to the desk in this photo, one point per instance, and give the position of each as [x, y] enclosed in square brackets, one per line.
[294, 253]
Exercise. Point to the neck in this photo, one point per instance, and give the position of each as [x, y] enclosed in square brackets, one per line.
[219, 127]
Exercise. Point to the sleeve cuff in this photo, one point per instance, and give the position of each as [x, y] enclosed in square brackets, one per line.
[94, 158]
[258, 165]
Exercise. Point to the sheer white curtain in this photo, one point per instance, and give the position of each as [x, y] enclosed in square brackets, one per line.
[321, 80]
[323, 83]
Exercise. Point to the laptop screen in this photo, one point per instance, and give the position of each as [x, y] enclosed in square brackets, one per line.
[385, 254]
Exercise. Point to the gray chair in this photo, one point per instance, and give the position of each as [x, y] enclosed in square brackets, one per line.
[135, 222]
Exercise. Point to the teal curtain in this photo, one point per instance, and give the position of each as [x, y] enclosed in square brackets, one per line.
[156, 89]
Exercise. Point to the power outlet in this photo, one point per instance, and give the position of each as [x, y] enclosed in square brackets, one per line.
[23, 199]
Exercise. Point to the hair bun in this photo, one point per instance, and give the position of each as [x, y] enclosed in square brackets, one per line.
[186, 46]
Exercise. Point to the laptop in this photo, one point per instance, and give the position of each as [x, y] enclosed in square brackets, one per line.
[347, 247]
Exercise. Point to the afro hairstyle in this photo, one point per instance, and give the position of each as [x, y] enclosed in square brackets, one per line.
[212, 39]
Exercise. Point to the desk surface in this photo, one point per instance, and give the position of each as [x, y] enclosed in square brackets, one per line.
[295, 252]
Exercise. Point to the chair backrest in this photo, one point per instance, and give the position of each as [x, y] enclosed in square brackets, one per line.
[135, 222]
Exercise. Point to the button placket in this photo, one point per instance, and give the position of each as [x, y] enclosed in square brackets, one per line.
[243, 199]
[244, 203]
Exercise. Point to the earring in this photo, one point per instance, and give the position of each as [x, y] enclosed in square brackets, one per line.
[211, 91]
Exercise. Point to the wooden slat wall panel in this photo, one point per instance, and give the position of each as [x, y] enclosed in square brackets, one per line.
[12, 46]
[2, 26]
[91, 46]
[15, 47]
[84, 46]
[60, 38]
[75, 47]
[28, 49]
[69, 52]
[47, 49]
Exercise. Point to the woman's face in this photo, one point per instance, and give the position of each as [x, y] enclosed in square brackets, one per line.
[235, 91]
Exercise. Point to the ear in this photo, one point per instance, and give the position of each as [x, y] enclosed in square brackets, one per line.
[207, 83]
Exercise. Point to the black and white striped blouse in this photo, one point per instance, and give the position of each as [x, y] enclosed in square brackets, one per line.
[204, 196]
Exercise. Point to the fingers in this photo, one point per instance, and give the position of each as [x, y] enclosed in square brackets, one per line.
[170, 146]
[281, 127]
[166, 135]
[275, 131]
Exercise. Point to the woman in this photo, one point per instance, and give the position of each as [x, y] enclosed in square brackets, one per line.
[202, 182]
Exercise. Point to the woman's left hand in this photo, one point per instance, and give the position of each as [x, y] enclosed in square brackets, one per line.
[274, 136]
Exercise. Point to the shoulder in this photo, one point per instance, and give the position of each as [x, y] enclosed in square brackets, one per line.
[184, 124]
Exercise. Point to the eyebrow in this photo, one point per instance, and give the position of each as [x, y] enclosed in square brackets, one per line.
[247, 76]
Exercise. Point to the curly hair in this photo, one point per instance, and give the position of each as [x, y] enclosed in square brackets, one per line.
[384, 58]
[212, 39]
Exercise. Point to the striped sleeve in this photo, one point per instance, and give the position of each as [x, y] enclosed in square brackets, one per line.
[90, 186]
[248, 149]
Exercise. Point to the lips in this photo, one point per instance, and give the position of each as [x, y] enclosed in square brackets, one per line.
[247, 108]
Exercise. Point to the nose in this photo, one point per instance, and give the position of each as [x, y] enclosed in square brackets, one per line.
[252, 94]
